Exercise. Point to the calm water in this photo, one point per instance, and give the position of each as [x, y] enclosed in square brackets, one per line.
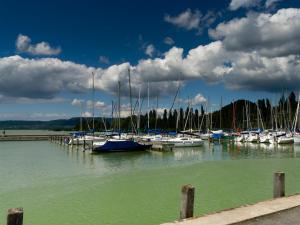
[60, 186]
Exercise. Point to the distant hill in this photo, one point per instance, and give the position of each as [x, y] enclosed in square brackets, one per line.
[61, 124]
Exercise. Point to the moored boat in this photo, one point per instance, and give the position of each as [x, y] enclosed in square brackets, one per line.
[184, 141]
[120, 145]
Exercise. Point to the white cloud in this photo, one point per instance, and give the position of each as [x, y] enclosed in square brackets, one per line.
[41, 78]
[236, 4]
[150, 50]
[196, 100]
[76, 102]
[270, 34]
[104, 59]
[87, 114]
[190, 20]
[264, 56]
[97, 104]
[169, 41]
[23, 44]
[199, 99]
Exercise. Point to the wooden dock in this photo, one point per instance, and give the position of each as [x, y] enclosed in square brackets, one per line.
[28, 137]
[159, 146]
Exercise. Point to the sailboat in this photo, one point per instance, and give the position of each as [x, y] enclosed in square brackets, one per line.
[182, 140]
[121, 145]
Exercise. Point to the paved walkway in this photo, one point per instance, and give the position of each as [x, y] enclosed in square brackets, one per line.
[272, 212]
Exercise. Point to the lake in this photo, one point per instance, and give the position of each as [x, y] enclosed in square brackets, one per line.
[57, 185]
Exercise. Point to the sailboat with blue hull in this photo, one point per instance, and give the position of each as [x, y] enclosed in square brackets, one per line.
[121, 145]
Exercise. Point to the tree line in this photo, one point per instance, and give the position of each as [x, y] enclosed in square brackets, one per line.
[241, 114]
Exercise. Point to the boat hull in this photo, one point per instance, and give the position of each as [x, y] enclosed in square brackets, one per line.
[121, 146]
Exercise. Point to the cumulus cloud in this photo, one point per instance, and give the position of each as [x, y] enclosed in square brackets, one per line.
[41, 78]
[76, 102]
[270, 34]
[264, 56]
[23, 44]
[236, 4]
[190, 20]
[97, 104]
[150, 50]
[169, 41]
[198, 99]
[87, 114]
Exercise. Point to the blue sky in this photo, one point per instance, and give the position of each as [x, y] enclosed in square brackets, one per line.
[49, 49]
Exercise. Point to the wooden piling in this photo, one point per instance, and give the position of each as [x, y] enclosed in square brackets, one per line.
[15, 216]
[187, 201]
[279, 185]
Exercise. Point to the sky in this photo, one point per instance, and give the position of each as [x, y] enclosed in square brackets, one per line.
[208, 50]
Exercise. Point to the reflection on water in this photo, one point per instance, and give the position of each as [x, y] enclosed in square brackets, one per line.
[39, 175]
[116, 162]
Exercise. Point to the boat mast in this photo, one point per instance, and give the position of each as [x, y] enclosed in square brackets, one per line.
[156, 112]
[139, 112]
[80, 115]
[132, 125]
[272, 119]
[112, 114]
[191, 114]
[233, 115]
[93, 107]
[119, 107]
[148, 108]
[257, 114]
[221, 114]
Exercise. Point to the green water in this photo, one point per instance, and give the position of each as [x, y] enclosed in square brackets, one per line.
[61, 186]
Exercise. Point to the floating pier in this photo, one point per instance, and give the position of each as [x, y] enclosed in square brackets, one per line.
[159, 146]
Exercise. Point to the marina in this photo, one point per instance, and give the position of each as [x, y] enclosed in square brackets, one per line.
[144, 182]
[150, 113]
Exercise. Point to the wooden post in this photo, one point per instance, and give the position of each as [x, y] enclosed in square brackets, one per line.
[15, 216]
[187, 201]
[279, 185]
[83, 144]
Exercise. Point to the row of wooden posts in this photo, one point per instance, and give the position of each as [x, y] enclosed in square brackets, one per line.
[58, 139]
[15, 215]
[188, 194]
[64, 140]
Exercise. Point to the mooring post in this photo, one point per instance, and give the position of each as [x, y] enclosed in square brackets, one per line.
[187, 201]
[15, 216]
[83, 144]
[279, 185]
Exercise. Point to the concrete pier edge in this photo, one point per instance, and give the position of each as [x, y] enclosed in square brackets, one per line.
[244, 213]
